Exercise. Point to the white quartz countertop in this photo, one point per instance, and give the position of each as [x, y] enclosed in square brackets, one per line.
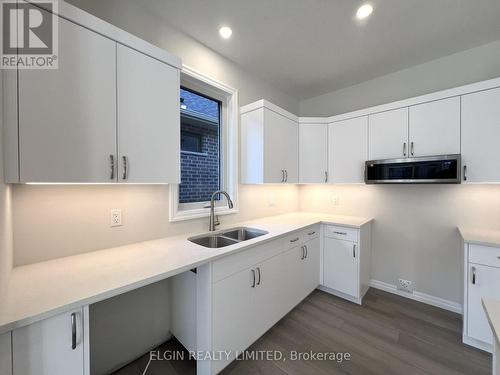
[38, 291]
[480, 237]
[492, 309]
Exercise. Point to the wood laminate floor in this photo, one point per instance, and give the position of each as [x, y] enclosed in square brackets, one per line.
[387, 335]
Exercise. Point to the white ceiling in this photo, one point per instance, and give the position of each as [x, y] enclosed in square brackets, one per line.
[310, 47]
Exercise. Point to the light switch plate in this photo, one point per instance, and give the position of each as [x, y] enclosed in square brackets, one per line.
[115, 217]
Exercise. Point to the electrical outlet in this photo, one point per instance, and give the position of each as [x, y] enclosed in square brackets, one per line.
[115, 217]
[405, 285]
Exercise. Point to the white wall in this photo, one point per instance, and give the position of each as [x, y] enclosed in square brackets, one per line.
[474, 65]
[414, 235]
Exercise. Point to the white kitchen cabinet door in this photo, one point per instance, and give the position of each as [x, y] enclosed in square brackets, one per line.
[6, 354]
[67, 116]
[281, 148]
[480, 135]
[310, 267]
[347, 150]
[340, 266]
[483, 284]
[435, 128]
[53, 346]
[235, 320]
[313, 153]
[388, 134]
[148, 119]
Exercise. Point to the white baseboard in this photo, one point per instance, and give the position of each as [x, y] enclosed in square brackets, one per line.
[418, 296]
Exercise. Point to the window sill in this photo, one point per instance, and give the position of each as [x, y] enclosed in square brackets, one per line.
[201, 213]
[194, 153]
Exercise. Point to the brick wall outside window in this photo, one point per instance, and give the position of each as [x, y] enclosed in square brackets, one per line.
[200, 171]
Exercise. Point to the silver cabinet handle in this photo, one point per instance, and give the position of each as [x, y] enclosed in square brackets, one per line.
[404, 149]
[258, 273]
[354, 250]
[286, 175]
[412, 148]
[341, 233]
[112, 167]
[303, 253]
[307, 251]
[125, 167]
[73, 331]
[473, 269]
[326, 176]
[282, 175]
[311, 233]
[253, 278]
[465, 173]
[295, 239]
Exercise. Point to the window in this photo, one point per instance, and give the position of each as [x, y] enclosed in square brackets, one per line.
[190, 142]
[200, 147]
[209, 147]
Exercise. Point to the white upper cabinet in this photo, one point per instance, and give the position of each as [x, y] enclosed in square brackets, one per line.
[269, 145]
[435, 128]
[347, 150]
[313, 153]
[480, 136]
[148, 119]
[67, 116]
[388, 134]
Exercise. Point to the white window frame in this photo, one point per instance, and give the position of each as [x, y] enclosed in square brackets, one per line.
[228, 96]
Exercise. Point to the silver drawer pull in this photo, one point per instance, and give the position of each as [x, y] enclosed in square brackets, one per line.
[295, 239]
[306, 251]
[341, 233]
[303, 252]
[258, 273]
[311, 233]
[253, 278]
[473, 269]
[354, 251]
[112, 167]
[125, 167]
[73, 331]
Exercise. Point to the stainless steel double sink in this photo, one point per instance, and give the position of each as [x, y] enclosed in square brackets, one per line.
[227, 237]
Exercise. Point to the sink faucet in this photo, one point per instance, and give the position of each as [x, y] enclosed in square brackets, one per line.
[213, 222]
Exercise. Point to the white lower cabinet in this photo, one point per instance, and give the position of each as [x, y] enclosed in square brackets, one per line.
[251, 300]
[346, 261]
[54, 346]
[482, 278]
[340, 266]
[6, 354]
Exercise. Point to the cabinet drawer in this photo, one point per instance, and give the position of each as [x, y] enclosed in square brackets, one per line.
[294, 239]
[341, 233]
[310, 233]
[230, 265]
[487, 255]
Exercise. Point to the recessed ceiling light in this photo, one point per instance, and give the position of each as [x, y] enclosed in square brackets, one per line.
[225, 32]
[364, 11]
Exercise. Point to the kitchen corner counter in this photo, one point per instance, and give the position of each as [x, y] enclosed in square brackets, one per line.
[41, 290]
[480, 237]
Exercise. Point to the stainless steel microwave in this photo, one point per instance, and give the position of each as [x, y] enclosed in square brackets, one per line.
[444, 169]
